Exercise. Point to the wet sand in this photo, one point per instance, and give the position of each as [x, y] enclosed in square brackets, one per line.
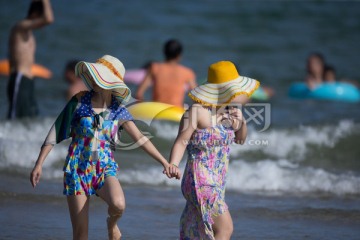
[153, 213]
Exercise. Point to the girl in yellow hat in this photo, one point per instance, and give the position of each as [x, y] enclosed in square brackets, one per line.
[206, 130]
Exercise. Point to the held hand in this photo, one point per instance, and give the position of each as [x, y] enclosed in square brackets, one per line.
[35, 175]
[171, 170]
[175, 171]
[166, 170]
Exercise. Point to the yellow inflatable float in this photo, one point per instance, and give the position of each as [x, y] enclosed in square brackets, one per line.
[156, 110]
[37, 70]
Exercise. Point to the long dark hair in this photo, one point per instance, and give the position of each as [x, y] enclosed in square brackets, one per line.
[317, 55]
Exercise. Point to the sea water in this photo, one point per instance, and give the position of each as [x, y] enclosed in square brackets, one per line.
[299, 179]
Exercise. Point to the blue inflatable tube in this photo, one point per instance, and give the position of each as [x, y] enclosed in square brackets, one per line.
[337, 91]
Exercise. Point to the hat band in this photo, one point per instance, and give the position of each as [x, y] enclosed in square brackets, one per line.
[110, 67]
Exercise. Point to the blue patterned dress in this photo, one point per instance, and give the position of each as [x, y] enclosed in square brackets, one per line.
[90, 155]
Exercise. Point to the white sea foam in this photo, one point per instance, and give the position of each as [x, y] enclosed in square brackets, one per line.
[284, 176]
[286, 143]
[265, 176]
[20, 143]
[165, 130]
[20, 140]
[280, 143]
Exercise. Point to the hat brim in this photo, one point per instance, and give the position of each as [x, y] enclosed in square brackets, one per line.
[210, 94]
[103, 77]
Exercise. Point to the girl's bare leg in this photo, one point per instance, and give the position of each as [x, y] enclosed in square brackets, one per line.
[223, 226]
[79, 214]
[113, 195]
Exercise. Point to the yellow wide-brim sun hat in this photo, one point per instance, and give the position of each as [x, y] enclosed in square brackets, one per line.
[223, 84]
[108, 73]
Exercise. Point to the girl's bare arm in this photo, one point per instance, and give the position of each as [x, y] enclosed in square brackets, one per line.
[240, 135]
[188, 124]
[37, 170]
[145, 144]
[239, 125]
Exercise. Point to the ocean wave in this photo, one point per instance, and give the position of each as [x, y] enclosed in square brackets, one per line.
[20, 143]
[20, 140]
[280, 170]
[280, 143]
[284, 176]
[266, 176]
[294, 143]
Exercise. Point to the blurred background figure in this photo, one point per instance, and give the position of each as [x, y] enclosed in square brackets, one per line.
[329, 74]
[75, 83]
[136, 76]
[315, 70]
[169, 78]
[22, 45]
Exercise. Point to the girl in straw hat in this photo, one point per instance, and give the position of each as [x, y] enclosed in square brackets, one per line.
[94, 119]
[206, 131]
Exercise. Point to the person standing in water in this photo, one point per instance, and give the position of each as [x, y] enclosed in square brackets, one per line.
[170, 79]
[315, 70]
[329, 74]
[207, 130]
[94, 120]
[22, 45]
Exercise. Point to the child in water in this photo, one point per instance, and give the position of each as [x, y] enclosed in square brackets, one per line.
[207, 130]
[330, 77]
[329, 74]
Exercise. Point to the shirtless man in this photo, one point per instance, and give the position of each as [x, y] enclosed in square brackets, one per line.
[22, 46]
[170, 79]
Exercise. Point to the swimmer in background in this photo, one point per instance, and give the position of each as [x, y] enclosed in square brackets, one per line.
[136, 76]
[330, 76]
[22, 45]
[315, 70]
[169, 78]
[76, 84]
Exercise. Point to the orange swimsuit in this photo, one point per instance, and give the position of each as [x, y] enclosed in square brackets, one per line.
[169, 82]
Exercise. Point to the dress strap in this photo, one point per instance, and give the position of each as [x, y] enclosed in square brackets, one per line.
[213, 117]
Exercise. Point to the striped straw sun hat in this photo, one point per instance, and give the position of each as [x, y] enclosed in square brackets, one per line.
[108, 73]
[223, 84]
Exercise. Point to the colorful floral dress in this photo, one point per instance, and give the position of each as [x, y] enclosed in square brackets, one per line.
[90, 155]
[203, 183]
